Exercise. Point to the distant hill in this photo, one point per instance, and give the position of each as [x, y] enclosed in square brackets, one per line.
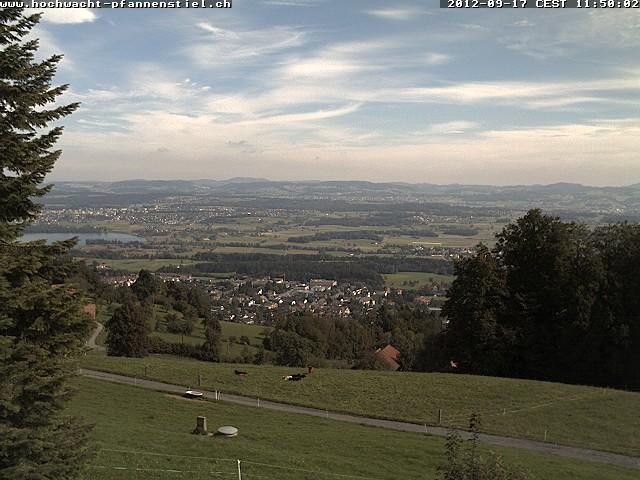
[570, 200]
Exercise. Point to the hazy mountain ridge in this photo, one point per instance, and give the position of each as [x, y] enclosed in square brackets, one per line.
[565, 198]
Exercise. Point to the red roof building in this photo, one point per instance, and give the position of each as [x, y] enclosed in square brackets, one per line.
[389, 355]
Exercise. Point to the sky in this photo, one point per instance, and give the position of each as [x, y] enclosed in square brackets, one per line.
[343, 90]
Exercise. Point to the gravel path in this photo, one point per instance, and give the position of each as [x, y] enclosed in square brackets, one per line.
[562, 450]
[91, 343]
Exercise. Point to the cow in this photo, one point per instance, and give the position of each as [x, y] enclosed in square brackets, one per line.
[296, 377]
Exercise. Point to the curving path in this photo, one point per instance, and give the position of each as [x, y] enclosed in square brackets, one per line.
[562, 450]
[91, 342]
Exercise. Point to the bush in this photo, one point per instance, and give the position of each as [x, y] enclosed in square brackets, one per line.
[464, 462]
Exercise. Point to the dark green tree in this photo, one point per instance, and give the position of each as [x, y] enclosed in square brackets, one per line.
[128, 330]
[612, 349]
[292, 349]
[41, 329]
[146, 286]
[213, 334]
[552, 279]
[476, 299]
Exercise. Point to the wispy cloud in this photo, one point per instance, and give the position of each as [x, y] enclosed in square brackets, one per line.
[402, 14]
[65, 15]
[221, 47]
[304, 117]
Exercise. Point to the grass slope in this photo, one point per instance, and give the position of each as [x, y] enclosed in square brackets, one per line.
[573, 415]
[146, 435]
[414, 280]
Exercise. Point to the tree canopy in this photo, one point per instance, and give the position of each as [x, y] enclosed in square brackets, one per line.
[41, 329]
[552, 300]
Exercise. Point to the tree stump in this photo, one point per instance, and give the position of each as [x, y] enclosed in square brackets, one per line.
[201, 426]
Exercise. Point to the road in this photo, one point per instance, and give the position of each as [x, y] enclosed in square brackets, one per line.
[541, 447]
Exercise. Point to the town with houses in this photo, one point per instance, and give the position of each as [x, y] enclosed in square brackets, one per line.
[257, 300]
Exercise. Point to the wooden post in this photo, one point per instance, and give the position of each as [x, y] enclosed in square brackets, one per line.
[201, 426]
[545, 434]
[439, 416]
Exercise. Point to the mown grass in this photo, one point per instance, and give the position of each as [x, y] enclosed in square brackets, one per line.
[414, 280]
[589, 417]
[144, 434]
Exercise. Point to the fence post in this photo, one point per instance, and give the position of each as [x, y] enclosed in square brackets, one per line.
[439, 416]
[239, 471]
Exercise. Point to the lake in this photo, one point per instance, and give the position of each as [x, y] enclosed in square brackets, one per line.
[82, 237]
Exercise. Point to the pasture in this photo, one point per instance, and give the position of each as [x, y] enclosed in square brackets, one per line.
[415, 280]
[597, 418]
[144, 434]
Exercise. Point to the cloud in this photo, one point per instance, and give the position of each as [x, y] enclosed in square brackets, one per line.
[523, 24]
[222, 47]
[538, 154]
[433, 58]
[612, 30]
[451, 128]
[291, 3]
[304, 117]
[524, 94]
[65, 15]
[402, 14]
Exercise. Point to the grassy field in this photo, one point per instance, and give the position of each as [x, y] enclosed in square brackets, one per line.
[230, 350]
[573, 415]
[137, 264]
[143, 434]
[414, 280]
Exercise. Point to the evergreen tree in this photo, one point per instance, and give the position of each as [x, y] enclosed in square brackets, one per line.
[128, 331]
[41, 329]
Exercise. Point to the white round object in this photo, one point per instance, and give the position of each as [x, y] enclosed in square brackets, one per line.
[228, 431]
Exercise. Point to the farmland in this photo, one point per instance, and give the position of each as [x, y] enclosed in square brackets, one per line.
[565, 414]
[144, 434]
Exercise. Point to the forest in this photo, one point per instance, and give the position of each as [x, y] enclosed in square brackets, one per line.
[552, 300]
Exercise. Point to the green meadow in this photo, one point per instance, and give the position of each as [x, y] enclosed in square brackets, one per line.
[143, 434]
[597, 418]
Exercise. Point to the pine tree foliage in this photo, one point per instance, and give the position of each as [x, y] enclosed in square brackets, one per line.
[42, 330]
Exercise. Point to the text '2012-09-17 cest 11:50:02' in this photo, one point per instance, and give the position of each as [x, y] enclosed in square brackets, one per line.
[545, 4]
[120, 4]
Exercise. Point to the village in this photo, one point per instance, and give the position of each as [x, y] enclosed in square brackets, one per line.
[257, 301]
